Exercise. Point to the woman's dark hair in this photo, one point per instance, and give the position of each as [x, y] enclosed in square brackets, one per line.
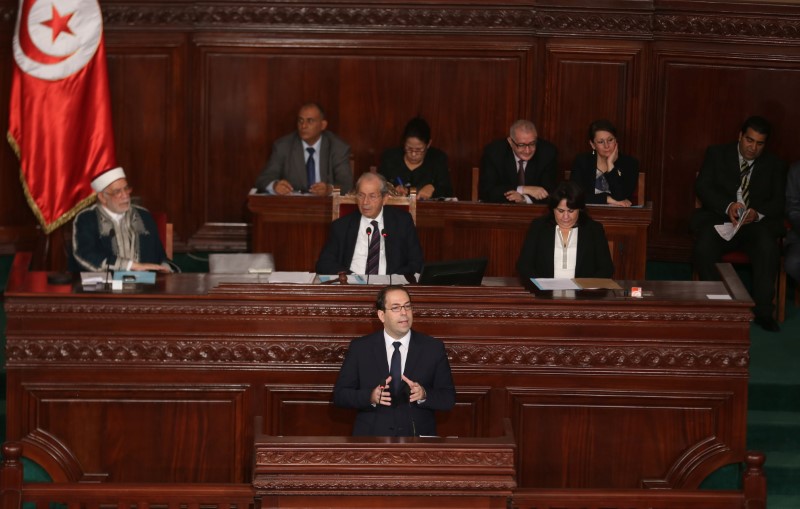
[601, 125]
[417, 128]
[570, 191]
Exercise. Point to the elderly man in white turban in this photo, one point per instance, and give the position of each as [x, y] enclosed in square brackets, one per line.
[114, 234]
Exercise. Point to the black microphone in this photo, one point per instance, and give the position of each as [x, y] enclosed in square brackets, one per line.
[405, 389]
[111, 234]
[384, 234]
[369, 235]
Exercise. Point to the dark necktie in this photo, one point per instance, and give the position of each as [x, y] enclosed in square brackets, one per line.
[521, 173]
[745, 176]
[374, 253]
[310, 168]
[395, 368]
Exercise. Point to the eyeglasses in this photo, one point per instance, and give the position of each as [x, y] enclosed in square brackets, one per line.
[116, 193]
[368, 197]
[397, 307]
[603, 143]
[522, 146]
[411, 150]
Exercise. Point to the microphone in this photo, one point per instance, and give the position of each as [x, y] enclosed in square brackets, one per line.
[384, 234]
[405, 390]
[369, 235]
[111, 234]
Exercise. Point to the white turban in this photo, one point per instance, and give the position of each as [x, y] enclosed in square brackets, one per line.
[107, 178]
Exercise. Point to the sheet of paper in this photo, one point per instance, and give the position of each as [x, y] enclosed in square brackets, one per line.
[301, 278]
[719, 297]
[555, 284]
[93, 278]
[727, 230]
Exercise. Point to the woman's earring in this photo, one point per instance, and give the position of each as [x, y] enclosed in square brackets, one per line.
[592, 151]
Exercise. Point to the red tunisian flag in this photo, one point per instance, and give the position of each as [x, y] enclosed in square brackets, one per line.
[60, 113]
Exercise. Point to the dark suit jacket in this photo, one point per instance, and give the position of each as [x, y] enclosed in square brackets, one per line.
[622, 180]
[536, 257]
[499, 170]
[365, 367]
[287, 161]
[403, 252]
[718, 181]
[793, 204]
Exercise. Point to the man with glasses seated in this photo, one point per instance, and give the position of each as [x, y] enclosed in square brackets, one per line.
[114, 234]
[520, 168]
[373, 240]
[396, 378]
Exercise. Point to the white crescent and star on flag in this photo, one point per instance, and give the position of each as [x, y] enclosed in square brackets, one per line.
[55, 39]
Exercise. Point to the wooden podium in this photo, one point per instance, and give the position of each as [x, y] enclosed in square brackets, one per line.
[348, 472]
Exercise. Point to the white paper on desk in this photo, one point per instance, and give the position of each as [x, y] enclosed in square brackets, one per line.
[548, 283]
[379, 279]
[93, 278]
[712, 296]
[300, 278]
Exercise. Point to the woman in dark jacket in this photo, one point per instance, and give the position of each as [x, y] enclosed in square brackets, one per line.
[606, 176]
[565, 242]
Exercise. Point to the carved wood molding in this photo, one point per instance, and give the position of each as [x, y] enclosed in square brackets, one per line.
[467, 19]
[580, 356]
[214, 352]
[473, 458]
[215, 311]
[739, 27]
[313, 485]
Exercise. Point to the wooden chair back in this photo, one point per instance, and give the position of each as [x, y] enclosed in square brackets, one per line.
[343, 204]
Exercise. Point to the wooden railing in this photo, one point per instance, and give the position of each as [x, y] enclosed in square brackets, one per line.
[79, 495]
[753, 495]
[76, 495]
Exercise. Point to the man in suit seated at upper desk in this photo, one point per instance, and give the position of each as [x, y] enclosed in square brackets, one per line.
[396, 378]
[742, 182]
[374, 240]
[520, 168]
[311, 160]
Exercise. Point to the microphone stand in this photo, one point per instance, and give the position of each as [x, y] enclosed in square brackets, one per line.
[369, 238]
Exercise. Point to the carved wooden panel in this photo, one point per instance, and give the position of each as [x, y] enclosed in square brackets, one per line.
[138, 432]
[308, 410]
[589, 80]
[559, 425]
[146, 74]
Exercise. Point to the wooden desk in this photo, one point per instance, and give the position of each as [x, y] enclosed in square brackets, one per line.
[294, 229]
[162, 384]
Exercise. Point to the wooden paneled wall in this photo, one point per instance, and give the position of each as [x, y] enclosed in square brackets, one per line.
[200, 91]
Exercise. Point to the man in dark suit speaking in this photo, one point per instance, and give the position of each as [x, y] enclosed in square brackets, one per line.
[374, 240]
[742, 182]
[396, 378]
